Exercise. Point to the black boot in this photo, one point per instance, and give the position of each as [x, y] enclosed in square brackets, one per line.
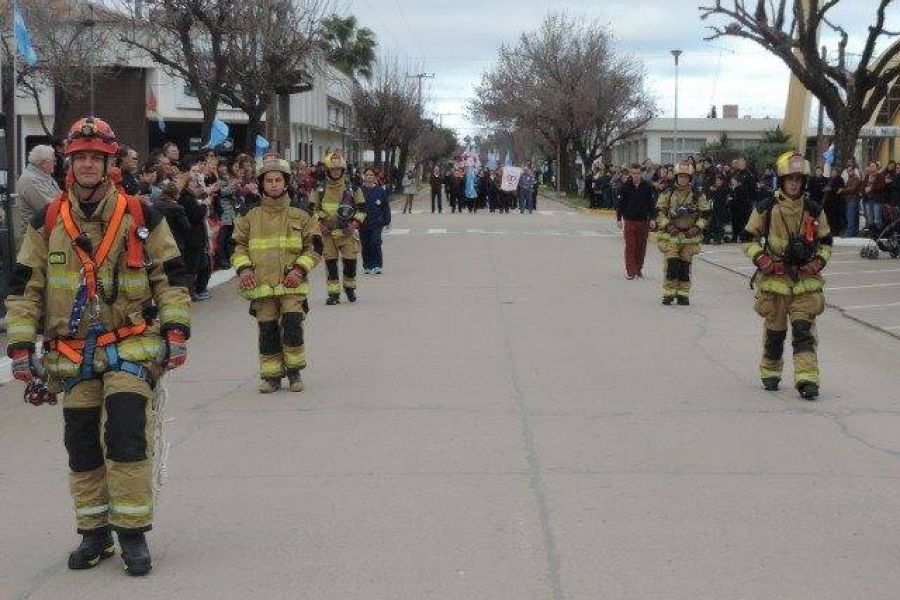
[808, 390]
[351, 294]
[94, 547]
[684, 301]
[333, 299]
[135, 553]
[770, 384]
[667, 300]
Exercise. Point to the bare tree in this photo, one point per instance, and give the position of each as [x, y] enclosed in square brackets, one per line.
[191, 40]
[791, 32]
[387, 113]
[566, 83]
[65, 37]
[272, 53]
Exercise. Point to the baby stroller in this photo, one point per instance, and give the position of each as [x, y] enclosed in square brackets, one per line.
[888, 238]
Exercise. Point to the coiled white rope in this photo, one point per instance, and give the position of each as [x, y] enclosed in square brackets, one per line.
[160, 440]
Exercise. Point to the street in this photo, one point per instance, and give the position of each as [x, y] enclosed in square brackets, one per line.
[501, 416]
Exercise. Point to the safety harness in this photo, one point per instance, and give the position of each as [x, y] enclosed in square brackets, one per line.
[83, 351]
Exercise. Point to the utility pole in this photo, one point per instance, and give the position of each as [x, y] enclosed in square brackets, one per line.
[92, 23]
[821, 125]
[677, 55]
[420, 77]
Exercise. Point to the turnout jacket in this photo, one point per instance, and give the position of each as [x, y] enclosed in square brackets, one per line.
[695, 213]
[272, 237]
[47, 276]
[326, 205]
[771, 225]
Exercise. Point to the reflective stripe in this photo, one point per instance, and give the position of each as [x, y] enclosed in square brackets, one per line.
[269, 291]
[241, 261]
[284, 242]
[782, 285]
[176, 314]
[90, 511]
[810, 376]
[307, 262]
[764, 373]
[131, 509]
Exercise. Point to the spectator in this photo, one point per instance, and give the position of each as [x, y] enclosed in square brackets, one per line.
[194, 199]
[378, 216]
[60, 166]
[36, 186]
[409, 191]
[833, 202]
[717, 193]
[815, 187]
[147, 182]
[744, 195]
[636, 208]
[436, 182]
[525, 191]
[851, 191]
[172, 154]
[875, 192]
[127, 161]
[176, 216]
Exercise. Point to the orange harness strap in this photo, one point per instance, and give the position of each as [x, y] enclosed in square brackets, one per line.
[90, 263]
[70, 348]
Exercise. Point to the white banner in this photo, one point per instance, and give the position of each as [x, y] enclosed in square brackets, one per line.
[510, 180]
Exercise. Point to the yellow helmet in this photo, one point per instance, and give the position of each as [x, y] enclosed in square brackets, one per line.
[791, 163]
[272, 163]
[684, 168]
[335, 160]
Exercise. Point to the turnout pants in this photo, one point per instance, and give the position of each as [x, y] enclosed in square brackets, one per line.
[345, 247]
[800, 312]
[280, 322]
[677, 267]
[109, 440]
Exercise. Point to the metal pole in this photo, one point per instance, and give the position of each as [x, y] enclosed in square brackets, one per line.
[91, 23]
[676, 54]
[820, 127]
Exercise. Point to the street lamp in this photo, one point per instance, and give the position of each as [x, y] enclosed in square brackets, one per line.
[676, 53]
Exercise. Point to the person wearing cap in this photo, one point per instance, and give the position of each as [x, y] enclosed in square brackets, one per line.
[101, 277]
[341, 210]
[682, 215]
[276, 245]
[790, 245]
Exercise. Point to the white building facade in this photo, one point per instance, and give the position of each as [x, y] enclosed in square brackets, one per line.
[659, 142]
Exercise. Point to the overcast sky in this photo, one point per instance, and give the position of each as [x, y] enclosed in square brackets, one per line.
[458, 40]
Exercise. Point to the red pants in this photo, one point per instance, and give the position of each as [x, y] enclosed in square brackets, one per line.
[636, 233]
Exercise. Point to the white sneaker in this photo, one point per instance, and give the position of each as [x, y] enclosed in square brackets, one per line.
[368, 271]
[377, 270]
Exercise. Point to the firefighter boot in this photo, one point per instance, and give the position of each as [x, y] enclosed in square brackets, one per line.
[333, 299]
[684, 301]
[95, 546]
[135, 553]
[667, 300]
[808, 390]
[295, 383]
[351, 294]
[770, 384]
[269, 385]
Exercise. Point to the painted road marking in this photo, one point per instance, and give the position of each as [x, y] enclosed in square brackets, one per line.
[865, 306]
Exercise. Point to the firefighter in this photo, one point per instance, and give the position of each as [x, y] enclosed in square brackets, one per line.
[277, 244]
[682, 214]
[791, 244]
[100, 275]
[341, 210]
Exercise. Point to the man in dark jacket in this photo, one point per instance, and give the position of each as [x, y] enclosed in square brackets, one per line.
[196, 254]
[743, 198]
[378, 216]
[636, 209]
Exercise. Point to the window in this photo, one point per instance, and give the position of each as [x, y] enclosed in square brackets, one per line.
[673, 150]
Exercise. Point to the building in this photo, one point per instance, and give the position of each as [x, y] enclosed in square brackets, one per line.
[658, 142]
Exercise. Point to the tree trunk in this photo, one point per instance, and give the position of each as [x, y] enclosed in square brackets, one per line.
[563, 168]
[209, 115]
[254, 128]
[377, 149]
[404, 158]
[845, 136]
[283, 128]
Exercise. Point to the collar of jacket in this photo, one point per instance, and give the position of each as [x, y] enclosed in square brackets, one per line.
[782, 198]
[333, 185]
[280, 203]
[105, 195]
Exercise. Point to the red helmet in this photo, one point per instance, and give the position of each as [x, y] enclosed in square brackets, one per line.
[91, 133]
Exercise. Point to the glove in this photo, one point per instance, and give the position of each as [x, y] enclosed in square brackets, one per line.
[671, 229]
[813, 267]
[293, 278]
[174, 351]
[24, 365]
[693, 231]
[767, 266]
[247, 279]
[351, 227]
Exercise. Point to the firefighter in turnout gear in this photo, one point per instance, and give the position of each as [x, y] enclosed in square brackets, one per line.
[341, 210]
[791, 244]
[276, 245]
[682, 217]
[100, 276]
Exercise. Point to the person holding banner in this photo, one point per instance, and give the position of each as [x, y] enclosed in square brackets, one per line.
[525, 191]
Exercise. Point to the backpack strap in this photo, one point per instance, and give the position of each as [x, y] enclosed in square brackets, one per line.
[52, 214]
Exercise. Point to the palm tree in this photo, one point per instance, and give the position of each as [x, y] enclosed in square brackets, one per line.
[349, 47]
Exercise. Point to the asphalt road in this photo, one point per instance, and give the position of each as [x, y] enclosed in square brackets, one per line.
[501, 416]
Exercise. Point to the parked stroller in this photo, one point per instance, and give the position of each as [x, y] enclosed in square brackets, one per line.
[888, 238]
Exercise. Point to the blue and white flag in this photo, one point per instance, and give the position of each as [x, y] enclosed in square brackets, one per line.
[23, 38]
[262, 144]
[829, 155]
[160, 122]
[218, 133]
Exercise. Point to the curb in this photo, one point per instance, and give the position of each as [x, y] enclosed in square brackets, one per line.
[830, 305]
